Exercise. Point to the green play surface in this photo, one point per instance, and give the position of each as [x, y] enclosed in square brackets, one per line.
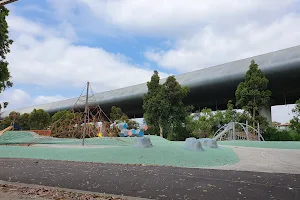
[113, 150]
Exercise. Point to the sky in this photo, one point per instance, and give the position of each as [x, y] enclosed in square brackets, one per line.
[59, 45]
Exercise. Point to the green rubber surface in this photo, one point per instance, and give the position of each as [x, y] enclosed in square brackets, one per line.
[264, 144]
[114, 150]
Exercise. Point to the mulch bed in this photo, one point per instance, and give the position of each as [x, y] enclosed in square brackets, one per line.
[49, 193]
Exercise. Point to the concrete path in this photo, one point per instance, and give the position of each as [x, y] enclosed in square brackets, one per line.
[152, 182]
[265, 160]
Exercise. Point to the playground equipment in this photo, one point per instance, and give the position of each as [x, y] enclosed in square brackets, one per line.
[73, 127]
[7, 129]
[17, 127]
[193, 144]
[231, 131]
[143, 142]
[4, 2]
[208, 142]
[85, 119]
[125, 132]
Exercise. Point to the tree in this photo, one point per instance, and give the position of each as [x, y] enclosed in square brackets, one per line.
[5, 43]
[177, 112]
[206, 123]
[132, 124]
[295, 122]
[13, 117]
[39, 119]
[164, 108]
[60, 115]
[252, 94]
[24, 121]
[3, 105]
[230, 113]
[117, 114]
[4, 123]
[154, 104]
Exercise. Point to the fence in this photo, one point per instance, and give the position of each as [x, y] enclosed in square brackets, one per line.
[42, 132]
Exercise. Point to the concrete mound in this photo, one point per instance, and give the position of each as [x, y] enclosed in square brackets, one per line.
[193, 144]
[208, 142]
[143, 142]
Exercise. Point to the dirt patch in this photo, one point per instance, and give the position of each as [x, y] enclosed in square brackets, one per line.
[16, 192]
[26, 145]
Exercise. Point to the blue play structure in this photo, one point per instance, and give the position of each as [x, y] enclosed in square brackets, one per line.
[17, 127]
[130, 132]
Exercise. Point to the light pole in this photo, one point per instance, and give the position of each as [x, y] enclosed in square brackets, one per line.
[4, 2]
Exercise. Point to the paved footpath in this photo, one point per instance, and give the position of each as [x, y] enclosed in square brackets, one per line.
[265, 160]
[154, 182]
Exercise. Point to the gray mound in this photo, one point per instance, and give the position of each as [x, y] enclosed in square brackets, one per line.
[193, 144]
[208, 142]
[143, 142]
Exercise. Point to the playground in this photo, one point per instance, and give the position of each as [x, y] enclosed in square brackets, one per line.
[111, 150]
[237, 155]
[90, 136]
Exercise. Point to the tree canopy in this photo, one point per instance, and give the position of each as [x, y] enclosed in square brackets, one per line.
[164, 108]
[5, 43]
[24, 121]
[117, 114]
[252, 94]
[39, 119]
[154, 104]
[295, 122]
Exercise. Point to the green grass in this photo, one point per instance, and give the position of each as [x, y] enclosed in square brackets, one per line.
[265, 144]
[163, 152]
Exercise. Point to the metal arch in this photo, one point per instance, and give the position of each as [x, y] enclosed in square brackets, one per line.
[246, 132]
[244, 127]
[255, 131]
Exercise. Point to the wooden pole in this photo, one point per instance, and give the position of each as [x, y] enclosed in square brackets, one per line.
[4, 2]
[86, 111]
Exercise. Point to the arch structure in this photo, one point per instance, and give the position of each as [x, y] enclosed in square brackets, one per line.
[238, 131]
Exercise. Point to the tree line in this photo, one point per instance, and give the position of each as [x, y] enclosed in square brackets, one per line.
[41, 120]
[168, 116]
[36, 120]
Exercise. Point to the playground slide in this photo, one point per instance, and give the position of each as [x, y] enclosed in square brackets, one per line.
[7, 129]
[220, 134]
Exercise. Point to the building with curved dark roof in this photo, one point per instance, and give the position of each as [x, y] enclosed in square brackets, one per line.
[210, 87]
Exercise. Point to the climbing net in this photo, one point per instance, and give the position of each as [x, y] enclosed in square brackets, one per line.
[71, 124]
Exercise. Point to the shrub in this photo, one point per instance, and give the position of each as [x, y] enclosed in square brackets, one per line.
[295, 135]
[273, 134]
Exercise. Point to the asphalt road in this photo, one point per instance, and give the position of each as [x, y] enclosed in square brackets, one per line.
[154, 182]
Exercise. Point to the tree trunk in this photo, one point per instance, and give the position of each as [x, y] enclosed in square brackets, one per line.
[160, 130]
[253, 118]
[160, 127]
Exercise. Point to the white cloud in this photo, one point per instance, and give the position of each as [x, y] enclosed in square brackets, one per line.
[22, 26]
[206, 33]
[210, 47]
[49, 59]
[15, 97]
[175, 17]
[19, 98]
